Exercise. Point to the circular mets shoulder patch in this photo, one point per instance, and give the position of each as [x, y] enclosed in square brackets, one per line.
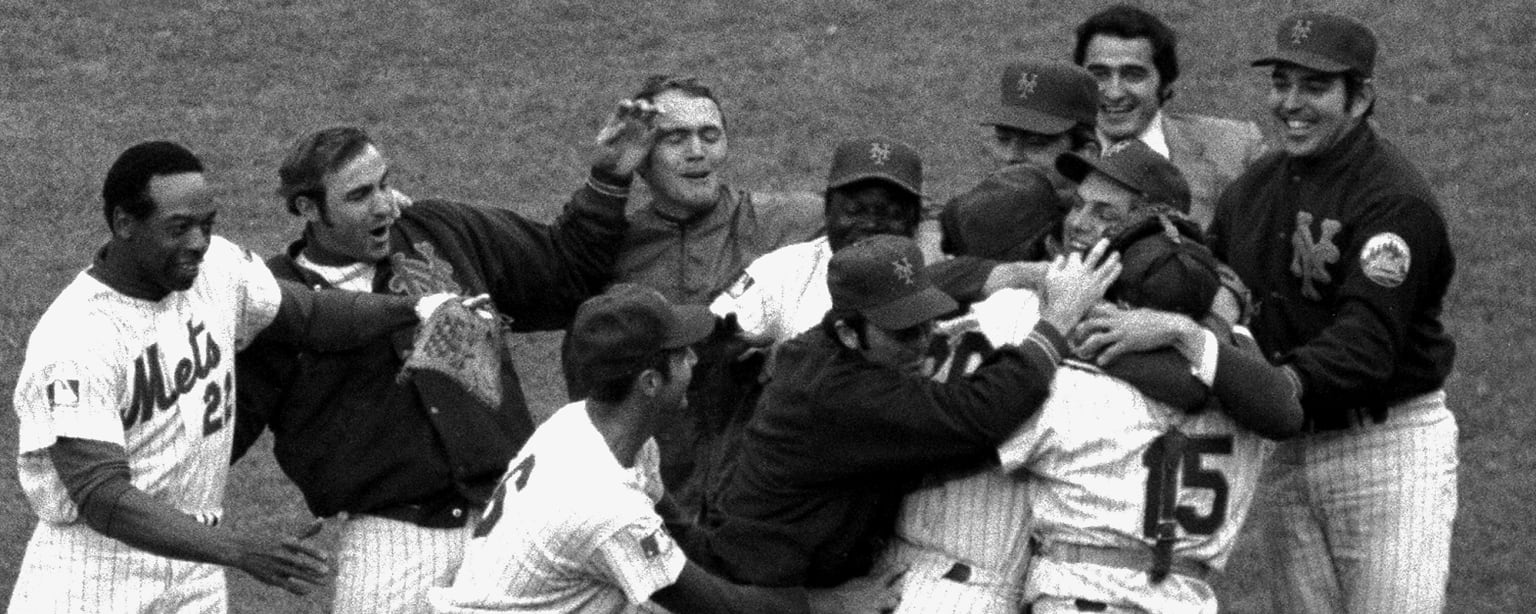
[1385, 259]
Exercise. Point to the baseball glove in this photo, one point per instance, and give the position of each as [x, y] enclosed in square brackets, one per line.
[462, 345]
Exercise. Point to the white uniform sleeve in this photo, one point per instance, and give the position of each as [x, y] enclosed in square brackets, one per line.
[1205, 370]
[755, 301]
[78, 397]
[1020, 448]
[1036, 436]
[257, 292]
[75, 398]
[1008, 315]
[640, 559]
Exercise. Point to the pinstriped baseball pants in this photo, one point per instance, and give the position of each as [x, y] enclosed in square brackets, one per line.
[70, 568]
[1365, 514]
[385, 566]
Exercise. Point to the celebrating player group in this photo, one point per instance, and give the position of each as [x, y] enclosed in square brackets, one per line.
[1061, 390]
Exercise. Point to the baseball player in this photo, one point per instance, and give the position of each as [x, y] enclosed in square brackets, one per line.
[849, 422]
[1136, 502]
[572, 525]
[1044, 109]
[1343, 242]
[874, 187]
[125, 402]
[690, 241]
[963, 559]
[404, 464]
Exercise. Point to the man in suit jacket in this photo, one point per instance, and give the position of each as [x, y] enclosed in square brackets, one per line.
[1134, 57]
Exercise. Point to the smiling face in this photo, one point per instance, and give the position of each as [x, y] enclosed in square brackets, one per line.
[1312, 108]
[1130, 88]
[359, 209]
[866, 208]
[690, 150]
[1100, 211]
[166, 246]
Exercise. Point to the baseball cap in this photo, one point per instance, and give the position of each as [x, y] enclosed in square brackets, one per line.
[882, 277]
[1136, 166]
[1044, 97]
[1005, 217]
[621, 329]
[1164, 266]
[1320, 41]
[876, 157]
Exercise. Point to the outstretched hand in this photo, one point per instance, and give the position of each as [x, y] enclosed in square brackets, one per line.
[284, 562]
[1075, 282]
[626, 139]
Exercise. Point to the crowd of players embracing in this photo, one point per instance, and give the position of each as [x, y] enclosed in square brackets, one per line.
[1059, 392]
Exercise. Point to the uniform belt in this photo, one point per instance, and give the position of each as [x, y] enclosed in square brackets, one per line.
[1357, 417]
[1140, 559]
[925, 560]
[446, 515]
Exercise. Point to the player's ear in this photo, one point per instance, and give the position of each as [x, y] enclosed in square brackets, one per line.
[846, 335]
[1364, 99]
[309, 208]
[123, 223]
[648, 382]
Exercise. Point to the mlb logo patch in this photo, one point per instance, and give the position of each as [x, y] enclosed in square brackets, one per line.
[64, 393]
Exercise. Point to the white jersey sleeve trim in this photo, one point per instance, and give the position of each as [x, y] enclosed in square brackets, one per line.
[640, 558]
[1205, 369]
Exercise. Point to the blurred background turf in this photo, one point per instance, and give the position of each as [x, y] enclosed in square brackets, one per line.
[494, 102]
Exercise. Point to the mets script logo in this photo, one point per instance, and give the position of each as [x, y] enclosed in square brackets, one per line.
[154, 393]
[426, 274]
[1310, 258]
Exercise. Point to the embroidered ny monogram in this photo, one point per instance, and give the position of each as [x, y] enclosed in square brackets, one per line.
[1309, 258]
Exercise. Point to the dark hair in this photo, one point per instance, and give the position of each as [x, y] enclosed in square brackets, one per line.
[614, 389]
[313, 157]
[127, 184]
[654, 85]
[1354, 83]
[851, 317]
[1125, 21]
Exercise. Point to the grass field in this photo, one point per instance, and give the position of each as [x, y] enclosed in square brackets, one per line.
[493, 101]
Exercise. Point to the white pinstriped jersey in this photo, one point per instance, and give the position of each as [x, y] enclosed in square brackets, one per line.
[154, 377]
[568, 530]
[1088, 455]
[981, 519]
[781, 294]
